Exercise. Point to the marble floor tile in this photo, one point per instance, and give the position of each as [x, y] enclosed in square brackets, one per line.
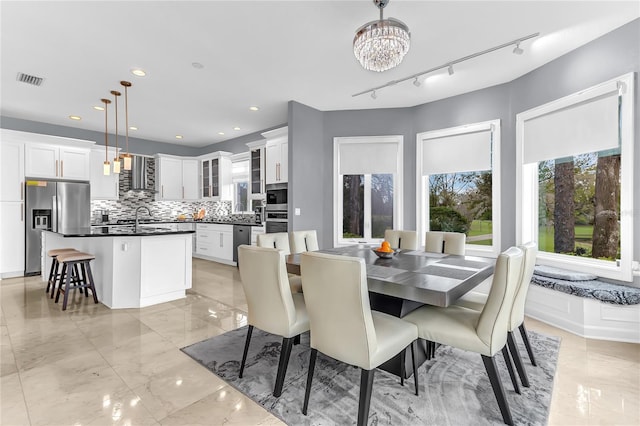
[13, 409]
[178, 387]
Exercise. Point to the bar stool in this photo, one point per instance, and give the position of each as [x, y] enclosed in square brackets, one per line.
[53, 273]
[70, 262]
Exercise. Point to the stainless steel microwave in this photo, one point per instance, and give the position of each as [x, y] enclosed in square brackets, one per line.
[277, 196]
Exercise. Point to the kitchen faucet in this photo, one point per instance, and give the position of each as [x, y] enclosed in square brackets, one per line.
[137, 210]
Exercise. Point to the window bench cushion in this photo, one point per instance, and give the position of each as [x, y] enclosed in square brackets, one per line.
[616, 294]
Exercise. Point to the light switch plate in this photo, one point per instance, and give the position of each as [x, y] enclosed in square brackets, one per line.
[297, 212]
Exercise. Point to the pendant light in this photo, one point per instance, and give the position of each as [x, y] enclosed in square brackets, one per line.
[116, 159]
[107, 165]
[127, 156]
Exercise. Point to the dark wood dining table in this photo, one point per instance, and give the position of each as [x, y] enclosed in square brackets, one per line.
[410, 279]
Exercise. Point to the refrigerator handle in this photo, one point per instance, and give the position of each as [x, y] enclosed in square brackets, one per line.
[54, 214]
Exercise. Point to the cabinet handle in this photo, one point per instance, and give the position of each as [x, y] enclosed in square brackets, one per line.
[221, 239]
[56, 168]
[162, 193]
[22, 212]
[21, 191]
[183, 192]
[61, 168]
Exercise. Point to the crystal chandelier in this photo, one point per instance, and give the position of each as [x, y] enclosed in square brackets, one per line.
[381, 45]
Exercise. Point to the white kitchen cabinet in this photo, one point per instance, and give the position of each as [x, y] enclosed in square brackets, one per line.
[255, 231]
[103, 187]
[214, 242]
[190, 179]
[277, 156]
[216, 176]
[12, 207]
[12, 170]
[11, 238]
[176, 178]
[57, 161]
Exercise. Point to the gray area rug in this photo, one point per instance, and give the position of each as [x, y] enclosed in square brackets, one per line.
[454, 387]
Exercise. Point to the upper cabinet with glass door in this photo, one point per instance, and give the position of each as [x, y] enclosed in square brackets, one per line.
[257, 168]
[215, 176]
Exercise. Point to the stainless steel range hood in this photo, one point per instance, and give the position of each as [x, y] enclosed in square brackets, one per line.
[139, 173]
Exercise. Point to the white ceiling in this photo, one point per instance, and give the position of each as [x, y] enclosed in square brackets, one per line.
[264, 53]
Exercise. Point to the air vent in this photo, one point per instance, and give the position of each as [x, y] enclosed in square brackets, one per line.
[30, 79]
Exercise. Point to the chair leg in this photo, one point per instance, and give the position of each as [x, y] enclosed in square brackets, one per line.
[312, 366]
[527, 344]
[246, 349]
[403, 357]
[63, 274]
[67, 288]
[54, 263]
[512, 374]
[296, 340]
[285, 352]
[415, 364]
[59, 279]
[92, 285]
[517, 360]
[366, 385]
[498, 390]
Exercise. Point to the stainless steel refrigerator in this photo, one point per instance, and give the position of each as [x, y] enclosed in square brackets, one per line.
[53, 206]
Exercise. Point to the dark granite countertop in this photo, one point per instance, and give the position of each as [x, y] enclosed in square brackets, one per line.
[119, 231]
[161, 221]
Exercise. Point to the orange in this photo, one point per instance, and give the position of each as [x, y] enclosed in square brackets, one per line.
[385, 247]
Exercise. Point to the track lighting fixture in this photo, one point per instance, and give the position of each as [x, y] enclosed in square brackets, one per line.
[449, 65]
[518, 50]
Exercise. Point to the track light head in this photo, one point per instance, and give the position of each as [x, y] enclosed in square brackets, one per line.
[416, 82]
[373, 95]
[518, 50]
[450, 69]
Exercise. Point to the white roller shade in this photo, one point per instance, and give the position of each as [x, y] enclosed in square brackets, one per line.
[463, 152]
[240, 171]
[368, 158]
[589, 126]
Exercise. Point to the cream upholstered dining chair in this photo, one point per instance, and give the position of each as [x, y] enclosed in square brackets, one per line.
[402, 239]
[445, 242]
[343, 325]
[302, 241]
[477, 302]
[280, 240]
[483, 332]
[272, 306]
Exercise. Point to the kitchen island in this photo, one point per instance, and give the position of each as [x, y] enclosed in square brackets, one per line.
[134, 266]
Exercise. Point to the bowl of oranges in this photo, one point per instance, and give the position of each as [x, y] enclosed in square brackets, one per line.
[384, 251]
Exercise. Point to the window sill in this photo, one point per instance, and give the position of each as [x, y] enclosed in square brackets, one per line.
[601, 268]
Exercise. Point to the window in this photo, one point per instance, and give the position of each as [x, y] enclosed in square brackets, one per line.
[459, 184]
[367, 188]
[240, 180]
[575, 175]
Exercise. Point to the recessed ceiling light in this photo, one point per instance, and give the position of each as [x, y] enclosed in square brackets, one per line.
[197, 65]
[75, 117]
[178, 136]
[138, 72]
[236, 128]
[254, 108]
[221, 133]
[98, 108]
[133, 128]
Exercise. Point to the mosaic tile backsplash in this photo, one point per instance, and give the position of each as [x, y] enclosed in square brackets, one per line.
[125, 207]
